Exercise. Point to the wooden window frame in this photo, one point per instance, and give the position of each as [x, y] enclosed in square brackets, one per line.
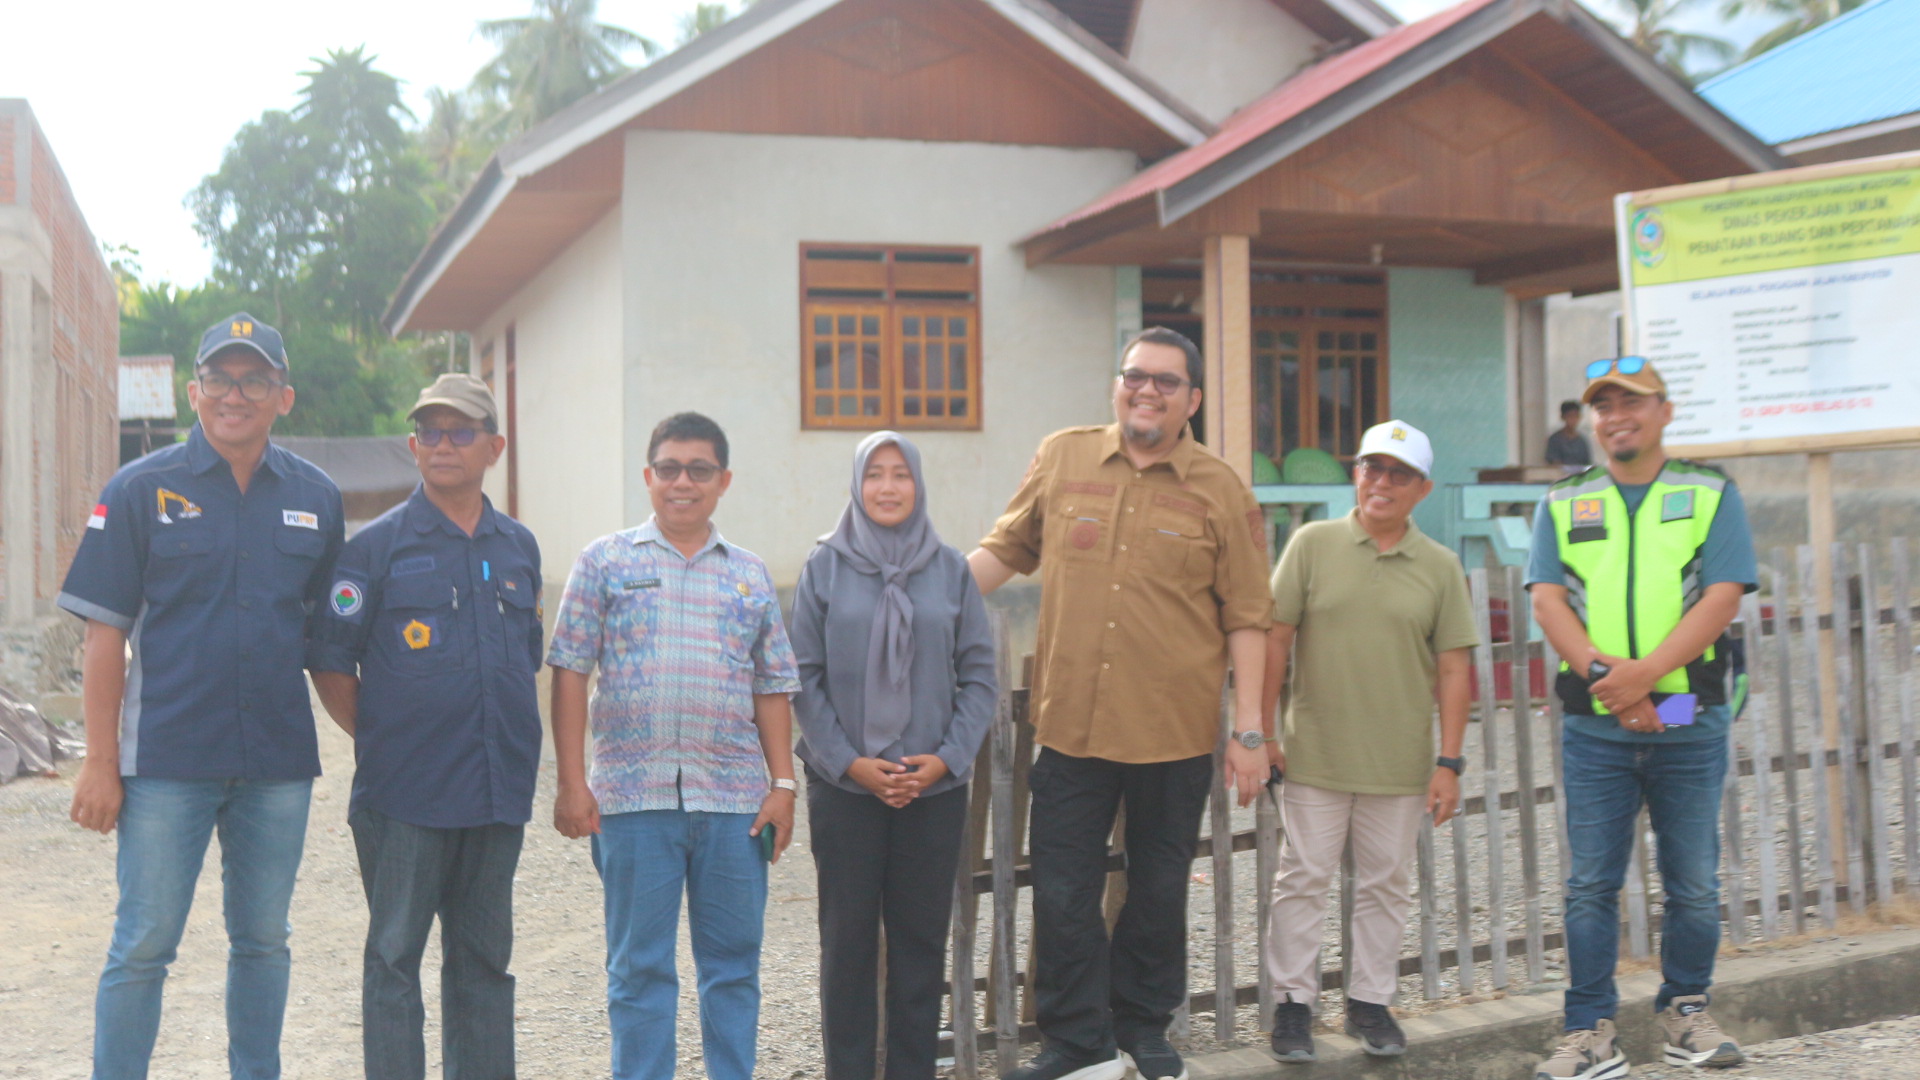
[893, 291]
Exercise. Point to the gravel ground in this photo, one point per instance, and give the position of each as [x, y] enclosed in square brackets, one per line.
[1884, 1050]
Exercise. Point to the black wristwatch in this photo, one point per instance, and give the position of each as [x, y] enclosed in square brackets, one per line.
[1597, 671]
[1457, 764]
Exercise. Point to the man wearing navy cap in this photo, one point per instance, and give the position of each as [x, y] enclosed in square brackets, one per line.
[205, 558]
[425, 652]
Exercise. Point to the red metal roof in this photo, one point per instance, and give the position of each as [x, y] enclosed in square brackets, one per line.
[1276, 107]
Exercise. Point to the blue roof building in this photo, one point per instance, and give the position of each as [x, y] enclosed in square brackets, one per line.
[1849, 88]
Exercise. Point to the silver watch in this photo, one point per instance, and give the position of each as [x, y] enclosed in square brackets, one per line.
[785, 784]
[1252, 740]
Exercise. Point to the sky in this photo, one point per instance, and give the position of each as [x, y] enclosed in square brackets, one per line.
[139, 99]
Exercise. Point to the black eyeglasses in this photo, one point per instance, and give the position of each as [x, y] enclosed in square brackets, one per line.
[699, 472]
[1625, 365]
[458, 436]
[1394, 475]
[255, 388]
[1164, 381]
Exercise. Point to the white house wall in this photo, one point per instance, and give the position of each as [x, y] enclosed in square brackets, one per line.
[713, 229]
[568, 373]
[1217, 55]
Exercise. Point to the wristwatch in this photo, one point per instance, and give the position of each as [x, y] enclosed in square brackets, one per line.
[1457, 764]
[785, 784]
[1597, 671]
[1252, 740]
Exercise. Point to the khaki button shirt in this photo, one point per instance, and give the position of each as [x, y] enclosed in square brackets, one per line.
[1143, 574]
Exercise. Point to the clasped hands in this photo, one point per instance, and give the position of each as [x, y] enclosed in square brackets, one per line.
[898, 783]
[1626, 692]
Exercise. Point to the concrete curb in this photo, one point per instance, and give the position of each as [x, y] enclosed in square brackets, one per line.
[1826, 985]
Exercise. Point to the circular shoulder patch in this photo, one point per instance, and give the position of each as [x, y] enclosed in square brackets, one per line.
[347, 598]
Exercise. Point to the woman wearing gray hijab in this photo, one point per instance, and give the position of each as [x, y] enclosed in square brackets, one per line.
[897, 689]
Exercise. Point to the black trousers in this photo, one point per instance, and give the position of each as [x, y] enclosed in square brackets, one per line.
[877, 867]
[1091, 992]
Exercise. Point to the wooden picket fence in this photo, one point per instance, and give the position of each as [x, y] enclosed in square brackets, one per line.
[1819, 813]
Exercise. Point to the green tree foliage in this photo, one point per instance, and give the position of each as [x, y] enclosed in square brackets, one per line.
[456, 139]
[1796, 18]
[550, 59]
[1651, 30]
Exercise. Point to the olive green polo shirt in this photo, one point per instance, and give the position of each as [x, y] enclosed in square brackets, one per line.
[1360, 708]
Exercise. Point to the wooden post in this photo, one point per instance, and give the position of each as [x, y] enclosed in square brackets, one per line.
[1227, 311]
[1782, 652]
[1489, 775]
[1820, 533]
[1006, 1016]
[1903, 689]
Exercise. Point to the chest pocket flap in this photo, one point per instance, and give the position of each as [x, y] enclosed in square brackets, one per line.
[518, 590]
[417, 591]
[175, 543]
[304, 543]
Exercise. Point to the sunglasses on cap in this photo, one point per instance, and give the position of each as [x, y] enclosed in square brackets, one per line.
[1625, 365]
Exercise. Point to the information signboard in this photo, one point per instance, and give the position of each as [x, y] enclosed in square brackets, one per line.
[1782, 308]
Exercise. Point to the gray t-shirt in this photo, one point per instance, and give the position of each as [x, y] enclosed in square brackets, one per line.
[1726, 556]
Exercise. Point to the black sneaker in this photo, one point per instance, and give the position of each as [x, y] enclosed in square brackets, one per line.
[1053, 1063]
[1152, 1057]
[1292, 1031]
[1374, 1026]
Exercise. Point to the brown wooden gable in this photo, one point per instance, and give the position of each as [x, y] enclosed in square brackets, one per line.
[936, 70]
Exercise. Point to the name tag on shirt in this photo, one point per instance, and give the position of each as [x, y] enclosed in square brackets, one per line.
[300, 519]
[642, 583]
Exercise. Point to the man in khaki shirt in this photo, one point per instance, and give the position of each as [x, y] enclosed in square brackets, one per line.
[1376, 618]
[1152, 560]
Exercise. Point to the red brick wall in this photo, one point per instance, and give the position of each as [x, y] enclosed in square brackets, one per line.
[6, 159]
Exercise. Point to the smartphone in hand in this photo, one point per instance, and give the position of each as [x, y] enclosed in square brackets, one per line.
[767, 840]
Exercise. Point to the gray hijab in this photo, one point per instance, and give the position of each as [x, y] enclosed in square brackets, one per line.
[893, 554]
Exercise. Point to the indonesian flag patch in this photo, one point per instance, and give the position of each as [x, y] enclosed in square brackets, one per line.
[99, 518]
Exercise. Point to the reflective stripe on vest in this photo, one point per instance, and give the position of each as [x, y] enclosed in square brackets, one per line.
[1631, 577]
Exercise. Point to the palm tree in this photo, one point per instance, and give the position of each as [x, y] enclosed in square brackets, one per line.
[1797, 17]
[706, 15]
[357, 107]
[454, 139]
[552, 58]
[1652, 34]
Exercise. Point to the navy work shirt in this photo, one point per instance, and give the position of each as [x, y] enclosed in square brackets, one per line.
[443, 630]
[212, 588]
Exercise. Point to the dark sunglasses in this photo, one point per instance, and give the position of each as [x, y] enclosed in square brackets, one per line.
[1164, 381]
[699, 472]
[459, 436]
[1625, 365]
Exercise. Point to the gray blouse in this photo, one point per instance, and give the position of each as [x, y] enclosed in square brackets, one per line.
[954, 682]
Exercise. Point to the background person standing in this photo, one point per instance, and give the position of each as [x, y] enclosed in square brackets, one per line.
[1568, 446]
[1372, 621]
[206, 557]
[425, 653]
[897, 689]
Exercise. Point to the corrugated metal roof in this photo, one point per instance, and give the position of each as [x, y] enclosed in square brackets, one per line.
[146, 388]
[1863, 66]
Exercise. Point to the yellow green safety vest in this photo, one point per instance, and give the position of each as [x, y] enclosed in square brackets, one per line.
[1631, 577]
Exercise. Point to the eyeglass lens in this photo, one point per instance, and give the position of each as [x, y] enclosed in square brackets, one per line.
[699, 472]
[1165, 381]
[458, 436]
[253, 387]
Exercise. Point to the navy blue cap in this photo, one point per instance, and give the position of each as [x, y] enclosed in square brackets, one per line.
[243, 331]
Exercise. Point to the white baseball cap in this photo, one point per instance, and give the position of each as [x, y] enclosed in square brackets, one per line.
[1400, 440]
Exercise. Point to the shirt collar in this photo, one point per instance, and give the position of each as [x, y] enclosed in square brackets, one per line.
[649, 532]
[424, 516]
[1360, 535]
[203, 458]
[1180, 460]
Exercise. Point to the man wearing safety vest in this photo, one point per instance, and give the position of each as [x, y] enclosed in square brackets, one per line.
[1636, 571]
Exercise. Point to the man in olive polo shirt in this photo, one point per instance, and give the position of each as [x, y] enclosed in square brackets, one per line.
[1375, 616]
[1152, 555]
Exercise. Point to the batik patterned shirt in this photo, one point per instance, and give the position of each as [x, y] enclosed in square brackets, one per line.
[681, 645]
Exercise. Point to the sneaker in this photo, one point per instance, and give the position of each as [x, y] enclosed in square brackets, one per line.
[1588, 1054]
[1152, 1057]
[1053, 1063]
[1293, 1031]
[1694, 1039]
[1374, 1026]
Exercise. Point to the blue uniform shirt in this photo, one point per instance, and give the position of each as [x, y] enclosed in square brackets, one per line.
[212, 588]
[1727, 555]
[443, 630]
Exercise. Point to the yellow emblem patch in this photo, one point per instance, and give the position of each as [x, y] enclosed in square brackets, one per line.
[744, 588]
[184, 508]
[418, 635]
[1589, 511]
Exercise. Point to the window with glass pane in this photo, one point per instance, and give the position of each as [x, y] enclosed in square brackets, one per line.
[892, 337]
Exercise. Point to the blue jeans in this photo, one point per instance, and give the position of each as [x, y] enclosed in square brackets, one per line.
[645, 859]
[1607, 782]
[164, 826]
[412, 873]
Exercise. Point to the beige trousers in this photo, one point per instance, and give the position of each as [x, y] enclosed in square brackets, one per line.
[1318, 823]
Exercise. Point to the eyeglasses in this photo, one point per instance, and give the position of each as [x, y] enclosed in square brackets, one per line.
[256, 388]
[699, 472]
[1625, 365]
[1164, 381]
[1393, 475]
[458, 436]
